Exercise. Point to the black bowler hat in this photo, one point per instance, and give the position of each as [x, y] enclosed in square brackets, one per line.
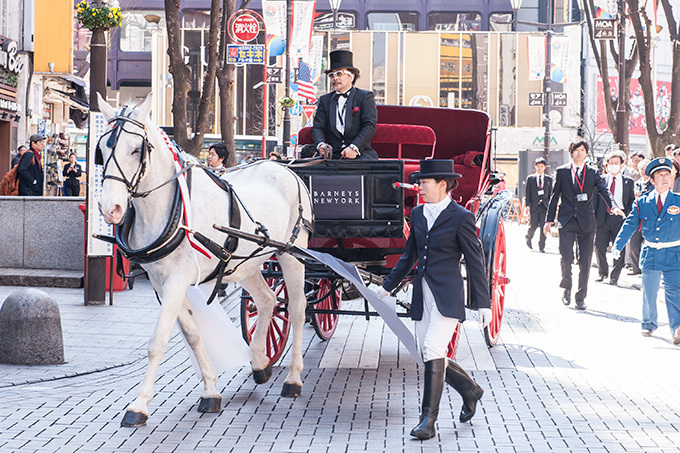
[660, 163]
[341, 59]
[437, 168]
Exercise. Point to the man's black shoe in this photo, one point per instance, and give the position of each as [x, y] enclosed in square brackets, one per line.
[600, 278]
[613, 281]
[542, 250]
[580, 305]
[529, 243]
[566, 297]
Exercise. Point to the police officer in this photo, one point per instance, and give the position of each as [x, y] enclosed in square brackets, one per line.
[441, 233]
[658, 215]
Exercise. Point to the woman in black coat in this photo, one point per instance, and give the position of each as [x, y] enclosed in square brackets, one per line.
[72, 172]
[441, 233]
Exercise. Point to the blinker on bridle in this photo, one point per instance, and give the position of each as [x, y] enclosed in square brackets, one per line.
[114, 134]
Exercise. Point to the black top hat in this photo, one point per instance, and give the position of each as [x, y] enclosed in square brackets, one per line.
[341, 59]
[437, 168]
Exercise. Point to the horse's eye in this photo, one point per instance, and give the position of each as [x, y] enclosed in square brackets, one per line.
[135, 152]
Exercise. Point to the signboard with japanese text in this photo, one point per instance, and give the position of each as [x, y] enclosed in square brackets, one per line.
[95, 180]
[245, 28]
[558, 99]
[274, 74]
[604, 29]
[245, 54]
[535, 99]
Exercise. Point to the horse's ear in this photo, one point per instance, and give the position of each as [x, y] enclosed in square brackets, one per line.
[145, 108]
[105, 107]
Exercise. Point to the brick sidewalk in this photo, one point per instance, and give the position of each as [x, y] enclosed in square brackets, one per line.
[559, 380]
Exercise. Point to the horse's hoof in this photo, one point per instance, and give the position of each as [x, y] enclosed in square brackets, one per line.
[134, 419]
[213, 404]
[262, 376]
[291, 390]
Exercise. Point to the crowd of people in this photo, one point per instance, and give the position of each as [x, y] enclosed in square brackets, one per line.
[632, 205]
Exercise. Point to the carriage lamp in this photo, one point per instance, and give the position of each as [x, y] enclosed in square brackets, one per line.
[335, 6]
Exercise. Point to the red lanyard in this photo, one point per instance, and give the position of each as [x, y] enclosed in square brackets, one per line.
[580, 183]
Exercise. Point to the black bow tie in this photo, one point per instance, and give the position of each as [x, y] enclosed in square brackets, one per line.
[344, 95]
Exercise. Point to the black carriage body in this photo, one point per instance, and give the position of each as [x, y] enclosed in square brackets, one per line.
[358, 211]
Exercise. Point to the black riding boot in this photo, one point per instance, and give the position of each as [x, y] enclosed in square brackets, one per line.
[457, 378]
[434, 385]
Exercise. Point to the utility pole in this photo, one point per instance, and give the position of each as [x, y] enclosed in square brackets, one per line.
[621, 121]
[547, 82]
[286, 109]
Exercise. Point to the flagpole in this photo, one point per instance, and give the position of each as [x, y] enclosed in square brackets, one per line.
[265, 94]
[286, 109]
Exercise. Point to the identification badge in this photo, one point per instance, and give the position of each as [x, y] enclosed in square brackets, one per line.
[581, 197]
[673, 210]
[541, 192]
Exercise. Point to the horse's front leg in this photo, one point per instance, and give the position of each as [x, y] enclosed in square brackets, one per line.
[211, 400]
[172, 297]
[294, 276]
[265, 300]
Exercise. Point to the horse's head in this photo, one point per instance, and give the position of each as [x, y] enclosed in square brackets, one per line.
[124, 151]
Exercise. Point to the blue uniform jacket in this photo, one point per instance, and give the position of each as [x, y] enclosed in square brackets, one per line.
[438, 253]
[664, 227]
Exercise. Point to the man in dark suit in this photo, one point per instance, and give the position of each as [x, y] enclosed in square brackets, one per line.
[346, 118]
[536, 197]
[622, 191]
[576, 185]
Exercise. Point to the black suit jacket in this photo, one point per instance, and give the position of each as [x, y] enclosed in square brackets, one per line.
[361, 118]
[531, 196]
[565, 192]
[628, 198]
[438, 253]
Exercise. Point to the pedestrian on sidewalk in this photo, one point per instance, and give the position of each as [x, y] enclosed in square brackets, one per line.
[537, 195]
[622, 191]
[657, 215]
[576, 185]
[441, 233]
[30, 168]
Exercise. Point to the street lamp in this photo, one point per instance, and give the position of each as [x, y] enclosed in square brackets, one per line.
[335, 6]
[516, 5]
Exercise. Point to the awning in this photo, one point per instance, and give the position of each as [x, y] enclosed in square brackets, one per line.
[56, 95]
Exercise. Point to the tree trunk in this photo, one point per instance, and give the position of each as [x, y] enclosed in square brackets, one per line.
[226, 82]
[180, 74]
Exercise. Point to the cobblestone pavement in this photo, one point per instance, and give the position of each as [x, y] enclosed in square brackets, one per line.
[558, 380]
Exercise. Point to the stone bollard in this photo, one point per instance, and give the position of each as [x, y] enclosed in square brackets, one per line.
[30, 329]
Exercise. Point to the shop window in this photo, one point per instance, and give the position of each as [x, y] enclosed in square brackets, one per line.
[454, 21]
[135, 34]
[392, 21]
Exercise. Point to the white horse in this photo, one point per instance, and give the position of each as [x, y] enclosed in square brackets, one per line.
[138, 160]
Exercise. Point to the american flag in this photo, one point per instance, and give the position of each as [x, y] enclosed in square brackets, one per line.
[305, 85]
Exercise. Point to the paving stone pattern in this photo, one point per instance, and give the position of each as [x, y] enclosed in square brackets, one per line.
[558, 380]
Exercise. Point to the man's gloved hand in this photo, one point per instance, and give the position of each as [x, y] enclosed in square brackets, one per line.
[484, 316]
[382, 292]
[616, 254]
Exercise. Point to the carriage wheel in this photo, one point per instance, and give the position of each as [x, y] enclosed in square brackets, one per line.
[453, 344]
[326, 323]
[498, 282]
[279, 323]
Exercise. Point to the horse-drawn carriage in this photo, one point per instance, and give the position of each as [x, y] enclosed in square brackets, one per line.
[362, 211]
[172, 215]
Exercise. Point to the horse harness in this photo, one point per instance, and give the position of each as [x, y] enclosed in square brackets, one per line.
[172, 236]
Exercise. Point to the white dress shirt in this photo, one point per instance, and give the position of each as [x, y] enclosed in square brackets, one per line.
[618, 189]
[432, 211]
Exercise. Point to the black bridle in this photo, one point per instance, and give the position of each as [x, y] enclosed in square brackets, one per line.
[119, 121]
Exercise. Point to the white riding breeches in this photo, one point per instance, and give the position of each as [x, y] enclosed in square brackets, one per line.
[434, 330]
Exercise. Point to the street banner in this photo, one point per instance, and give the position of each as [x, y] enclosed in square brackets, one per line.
[245, 54]
[536, 45]
[274, 16]
[316, 57]
[95, 180]
[302, 21]
[559, 58]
